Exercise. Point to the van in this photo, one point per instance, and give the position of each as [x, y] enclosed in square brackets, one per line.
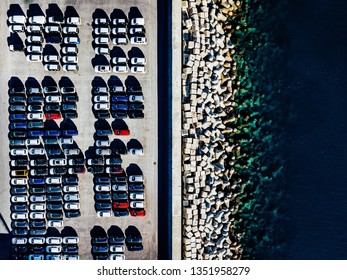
[34, 57]
[37, 20]
[137, 21]
[17, 19]
[34, 49]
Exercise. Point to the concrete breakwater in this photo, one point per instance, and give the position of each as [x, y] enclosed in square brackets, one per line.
[210, 190]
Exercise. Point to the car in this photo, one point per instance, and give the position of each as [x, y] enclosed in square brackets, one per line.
[70, 59]
[101, 40]
[52, 67]
[71, 197]
[53, 257]
[102, 50]
[76, 161]
[137, 21]
[102, 188]
[70, 180]
[103, 152]
[102, 114]
[136, 151]
[34, 49]
[102, 179]
[138, 61]
[137, 204]
[74, 40]
[53, 180]
[17, 142]
[135, 178]
[100, 196]
[19, 162]
[19, 152]
[56, 19]
[36, 151]
[101, 106]
[136, 187]
[117, 257]
[57, 162]
[72, 206]
[68, 90]
[66, 140]
[52, 29]
[16, 47]
[103, 30]
[71, 67]
[52, 116]
[118, 179]
[37, 198]
[121, 204]
[13, 28]
[51, 141]
[54, 240]
[35, 39]
[102, 143]
[55, 216]
[119, 114]
[35, 99]
[73, 20]
[70, 257]
[104, 213]
[120, 21]
[120, 40]
[134, 247]
[103, 132]
[36, 257]
[17, 90]
[70, 249]
[53, 189]
[56, 249]
[35, 108]
[37, 206]
[58, 171]
[119, 60]
[19, 216]
[137, 69]
[37, 19]
[114, 170]
[119, 106]
[19, 224]
[54, 38]
[101, 21]
[19, 240]
[138, 40]
[102, 69]
[72, 152]
[70, 30]
[120, 69]
[70, 188]
[14, 117]
[36, 181]
[34, 28]
[37, 190]
[21, 172]
[52, 132]
[69, 50]
[21, 19]
[120, 30]
[17, 134]
[50, 89]
[117, 89]
[18, 125]
[38, 162]
[101, 90]
[19, 98]
[136, 98]
[140, 30]
[19, 198]
[121, 212]
[122, 132]
[101, 98]
[118, 195]
[19, 207]
[38, 172]
[70, 98]
[72, 213]
[71, 240]
[95, 169]
[51, 58]
[36, 124]
[117, 248]
[99, 249]
[53, 99]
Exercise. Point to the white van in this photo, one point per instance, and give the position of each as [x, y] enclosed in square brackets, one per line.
[37, 19]
[34, 57]
[34, 49]
[17, 19]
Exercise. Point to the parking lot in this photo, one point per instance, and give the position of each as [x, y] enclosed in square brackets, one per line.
[143, 131]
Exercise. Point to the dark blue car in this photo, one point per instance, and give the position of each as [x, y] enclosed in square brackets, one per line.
[18, 125]
[120, 98]
[119, 106]
[36, 181]
[70, 132]
[21, 117]
[35, 133]
[52, 132]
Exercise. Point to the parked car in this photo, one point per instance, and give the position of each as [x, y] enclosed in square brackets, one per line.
[138, 40]
[137, 195]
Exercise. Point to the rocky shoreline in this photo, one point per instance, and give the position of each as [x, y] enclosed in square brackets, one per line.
[222, 129]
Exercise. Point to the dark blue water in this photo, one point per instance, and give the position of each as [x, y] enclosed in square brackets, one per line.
[317, 135]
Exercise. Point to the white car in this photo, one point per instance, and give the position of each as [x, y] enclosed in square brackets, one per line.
[37, 20]
[120, 41]
[19, 152]
[117, 248]
[53, 180]
[138, 69]
[102, 69]
[102, 21]
[17, 19]
[51, 58]
[103, 152]
[135, 178]
[34, 57]
[52, 28]
[35, 39]
[70, 59]
[72, 151]
[67, 50]
[53, 99]
[136, 151]
[70, 240]
[72, 206]
[137, 204]
[73, 20]
[117, 257]
[137, 196]
[138, 61]
[102, 40]
[34, 49]
[54, 240]
[39, 240]
[137, 21]
[37, 198]
[102, 143]
[16, 28]
[136, 98]
[54, 249]
[101, 98]
[138, 40]
[104, 213]
[102, 106]
[55, 223]
[52, 67]
[71, 197]
[70, 189]
[119, 59]
[102, 50]
[19, 181]
[71, 40]
[33, 141]
[120, 188]
[66, 140]
[102, 31]
[19, 240]
[119, 30]
[19, 198]
[119, 21]
[35, 28]
[37, 206]
[36, 151]
[19, 216]
[70, 30]
[120, 69]
[102, 188]
[37, 215]
[57, 162]
[35, 116]
[137, 30]
[70, 67]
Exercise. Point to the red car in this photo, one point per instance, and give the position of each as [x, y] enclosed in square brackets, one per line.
[52, 116]
[138, 213]
[121, 204]
[114, 170]
[122, 132]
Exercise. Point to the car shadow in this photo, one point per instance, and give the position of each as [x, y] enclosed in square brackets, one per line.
[119, 124]
[70, 11]
[134, 12]
[48, 81]
[49, 50]
[135, 52]
[68, 231]
[100, 60]
[114, 81]
[65, 82]
[54, 11]
[15, 9]
[15, 82]
[131, 81]
[16, 41]
[118, 13]
[134, 169]
[134, 143]
[35, 10]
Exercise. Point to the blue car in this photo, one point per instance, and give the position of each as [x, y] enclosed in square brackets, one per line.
[21, 117]
[18, 125]
[121, 98]
[119, 106]
[70, 132]
[52, 132]
[36, 181]
[35, 133]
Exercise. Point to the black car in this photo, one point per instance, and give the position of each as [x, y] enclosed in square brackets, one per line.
[103, 205]
[39, 162]
[76, 161]
[100, 256]
[70, 114]
[53, 198]
[96, 161]
[70, 98]
[72, 214]
[52, 108]
[134, 247]
[14, 90]
[36, 249]
[136, 107]
[54, 189]
[102, 114]
[17, 134]
[18, 190]
[136, 187]
[136, 115]
[95, 169]
[37, 224]
[121, 212]
[39, 172]
[56, 215]
[19, 224]
[133, 89]
[102, 196]
[119, 195]
[119, 114]
[19, 207]
[54, 39]
[37, 190]
[99, 240]
[70, 180]
[54, 206]
[54, 152]
[58, 171]
[99, 249]
[120, 151]
[19, 249]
